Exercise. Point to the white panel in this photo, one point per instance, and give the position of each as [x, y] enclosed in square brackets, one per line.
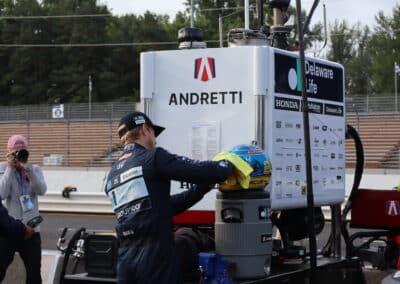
[205, 110]
[224, 99]
[327, 133]
[206, 100]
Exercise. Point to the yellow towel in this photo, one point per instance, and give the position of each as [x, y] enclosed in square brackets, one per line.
[243, 169]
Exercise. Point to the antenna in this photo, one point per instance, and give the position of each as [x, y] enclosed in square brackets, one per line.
[325, 28]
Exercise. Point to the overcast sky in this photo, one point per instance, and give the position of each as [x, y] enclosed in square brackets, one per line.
[350, 10]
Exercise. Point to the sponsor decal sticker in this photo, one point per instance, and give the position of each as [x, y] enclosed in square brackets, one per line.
[204, 68]
[131, 173]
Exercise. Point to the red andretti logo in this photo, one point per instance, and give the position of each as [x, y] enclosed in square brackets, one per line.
[204, 68]
[392, 207]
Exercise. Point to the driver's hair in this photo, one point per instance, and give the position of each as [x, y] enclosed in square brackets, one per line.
[132, 135]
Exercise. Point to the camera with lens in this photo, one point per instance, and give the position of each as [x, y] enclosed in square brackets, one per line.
[35, 221]
[21, 155]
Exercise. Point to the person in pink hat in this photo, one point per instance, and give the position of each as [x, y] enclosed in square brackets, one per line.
[20, 185]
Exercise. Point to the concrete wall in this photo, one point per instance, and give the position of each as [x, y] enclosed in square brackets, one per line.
[90, 196]
[84, 179]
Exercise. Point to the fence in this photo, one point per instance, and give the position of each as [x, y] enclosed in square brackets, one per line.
[366, 104]
[84, 111]
[66, 135]
[372, 104]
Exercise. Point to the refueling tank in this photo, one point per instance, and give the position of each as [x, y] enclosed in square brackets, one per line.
[243, 230]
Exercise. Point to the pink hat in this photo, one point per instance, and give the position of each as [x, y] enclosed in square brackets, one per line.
[17, 138]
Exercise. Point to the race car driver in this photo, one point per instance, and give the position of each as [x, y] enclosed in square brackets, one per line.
[138, 187]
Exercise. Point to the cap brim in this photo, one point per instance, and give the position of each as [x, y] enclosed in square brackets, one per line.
[158, 129]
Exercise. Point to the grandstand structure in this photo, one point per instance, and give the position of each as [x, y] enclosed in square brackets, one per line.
[380, 136]
[67, 143]
[79, 140]
[72, 139]
[376, 118]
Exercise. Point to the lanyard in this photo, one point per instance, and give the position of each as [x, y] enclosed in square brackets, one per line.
[22, 183]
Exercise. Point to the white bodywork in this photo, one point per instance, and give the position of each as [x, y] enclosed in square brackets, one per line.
[209, 101]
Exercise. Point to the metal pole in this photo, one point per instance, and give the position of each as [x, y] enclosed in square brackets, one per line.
[221, 44]
[395, 87]
[260, 14]
[357, 116]
[192, 13]
[336, 232]
[307, 151]
[146, 105]
[259, 119]
[246, 15]
[110, 160]
[90, 97]
[69, 136]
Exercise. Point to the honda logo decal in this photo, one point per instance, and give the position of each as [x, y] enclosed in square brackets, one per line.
[392, 207]
[204, 68]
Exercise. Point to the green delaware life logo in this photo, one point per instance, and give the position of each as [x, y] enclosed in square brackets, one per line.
[323, 81]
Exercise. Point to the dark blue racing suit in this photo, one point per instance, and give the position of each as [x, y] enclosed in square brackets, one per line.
[138, 186]
[9, 229]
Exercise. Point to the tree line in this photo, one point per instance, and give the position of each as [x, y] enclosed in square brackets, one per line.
[56, 51]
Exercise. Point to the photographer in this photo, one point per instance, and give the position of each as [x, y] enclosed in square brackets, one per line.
[20, 185]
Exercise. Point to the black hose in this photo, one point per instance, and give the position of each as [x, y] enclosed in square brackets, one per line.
[308, 20]
[351, 132]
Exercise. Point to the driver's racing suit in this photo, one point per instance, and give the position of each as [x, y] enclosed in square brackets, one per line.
[138, 186]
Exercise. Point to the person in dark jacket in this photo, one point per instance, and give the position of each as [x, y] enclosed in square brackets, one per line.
[138, 187]
[10, 229]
